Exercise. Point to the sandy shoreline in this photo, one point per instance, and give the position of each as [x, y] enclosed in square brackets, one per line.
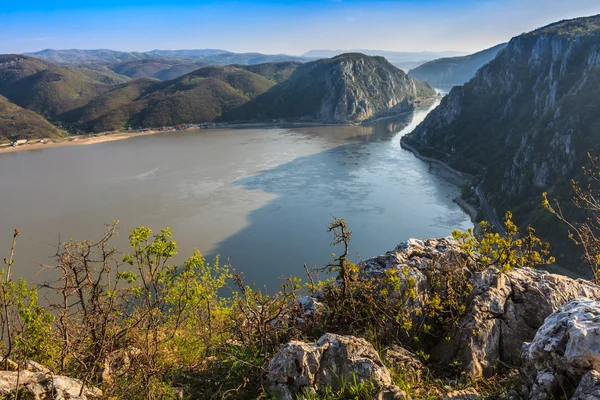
[77, 141]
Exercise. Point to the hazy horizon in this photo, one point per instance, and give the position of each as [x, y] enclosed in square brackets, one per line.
[276, 26]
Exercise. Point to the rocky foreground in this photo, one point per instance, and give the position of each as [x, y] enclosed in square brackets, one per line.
[546, 324]
[542, 328]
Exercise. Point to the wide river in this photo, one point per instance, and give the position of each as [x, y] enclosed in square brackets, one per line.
[261, 197]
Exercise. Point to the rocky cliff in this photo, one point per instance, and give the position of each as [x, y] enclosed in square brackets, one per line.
[527, 119]
[546, 324]
[349, 87]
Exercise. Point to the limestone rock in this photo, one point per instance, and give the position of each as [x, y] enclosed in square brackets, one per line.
[466, 394]
[507, 309]
[45, 386]
[564, 350]
[392, 393]
[589, 387]
[503, 310]
[312, 367]
[406, 361]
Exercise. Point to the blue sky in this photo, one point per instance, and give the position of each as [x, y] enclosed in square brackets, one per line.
[276, 26]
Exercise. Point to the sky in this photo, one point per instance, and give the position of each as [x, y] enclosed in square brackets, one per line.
[276, 26]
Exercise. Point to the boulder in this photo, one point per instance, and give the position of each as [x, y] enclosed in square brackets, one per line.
[392, 393]
[589, 387]
[403, 360]
[303, 368]
[502, 311]
[37, 385]
[565, 349]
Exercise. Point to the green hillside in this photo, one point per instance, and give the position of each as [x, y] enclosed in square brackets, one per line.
[47, 88]
[19, 123]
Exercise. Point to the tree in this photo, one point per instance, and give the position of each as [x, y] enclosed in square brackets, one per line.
[586, 199]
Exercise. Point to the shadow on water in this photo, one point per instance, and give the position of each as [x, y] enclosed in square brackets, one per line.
[385, 194]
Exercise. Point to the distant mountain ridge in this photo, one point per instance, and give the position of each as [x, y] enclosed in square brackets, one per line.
[159, 64]
[455, 70]
[207, 56]
[347, 88]
[404, 60]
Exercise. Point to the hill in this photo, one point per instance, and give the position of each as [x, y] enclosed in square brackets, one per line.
[455, 70]
[154, 68]
[17, 122]
[525, 122]
[47, 88]
[352, 87]
[206, 56]
[204, 95]
[79, 57]
[349, 87]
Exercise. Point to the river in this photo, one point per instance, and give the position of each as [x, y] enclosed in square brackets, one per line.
[261, 198]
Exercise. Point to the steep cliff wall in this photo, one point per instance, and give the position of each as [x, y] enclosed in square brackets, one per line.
[527, 120]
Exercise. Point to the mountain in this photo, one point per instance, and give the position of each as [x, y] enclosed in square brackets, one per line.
[159, 64]
[403, 59]
[188, 53]
[526, 121]
[206, 56]
[204, 95]
[454, 70]
[17, 122]
[79, 57]
[349, 87]
[47, 88]
[154, 68]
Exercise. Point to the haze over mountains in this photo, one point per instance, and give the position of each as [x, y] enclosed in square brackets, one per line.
[404, 60]
[455, 70]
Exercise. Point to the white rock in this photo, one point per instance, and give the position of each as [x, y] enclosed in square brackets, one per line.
[301, 368]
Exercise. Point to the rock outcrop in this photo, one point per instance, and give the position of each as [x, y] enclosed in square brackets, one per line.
[348, 88]
[564, 356]
[313, 367]
[502, 311]
[39, 385]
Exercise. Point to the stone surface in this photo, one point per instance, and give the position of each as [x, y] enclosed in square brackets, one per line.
[466, 394]
[589, 387]
[312, 367]
[564, 350]
[45, 386]
[392, 393]
[503, 311]
[401, 359]
[119, 363]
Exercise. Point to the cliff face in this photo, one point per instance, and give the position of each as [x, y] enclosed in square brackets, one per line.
[350, 87]
[527, 119]
[455, 70]
[359, 88]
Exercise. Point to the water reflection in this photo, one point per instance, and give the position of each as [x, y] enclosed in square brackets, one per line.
[384, 193]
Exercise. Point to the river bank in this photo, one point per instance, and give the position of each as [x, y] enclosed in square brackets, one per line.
[457, 177]
[87, 139]
[76, 141]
